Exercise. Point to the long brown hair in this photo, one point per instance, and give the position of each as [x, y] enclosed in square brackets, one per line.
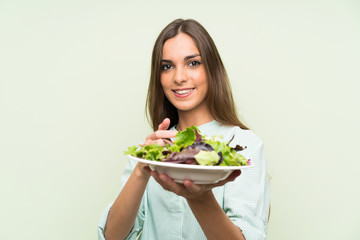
[219, 97]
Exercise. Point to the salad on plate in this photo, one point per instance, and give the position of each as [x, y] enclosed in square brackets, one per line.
[191, 147]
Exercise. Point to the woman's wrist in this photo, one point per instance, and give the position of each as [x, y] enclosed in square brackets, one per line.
[141, 173]
[202, 199]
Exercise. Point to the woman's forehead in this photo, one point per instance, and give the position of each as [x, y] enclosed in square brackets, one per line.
[180, 46]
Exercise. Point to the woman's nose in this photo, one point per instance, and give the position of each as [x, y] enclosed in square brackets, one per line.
[180, 76]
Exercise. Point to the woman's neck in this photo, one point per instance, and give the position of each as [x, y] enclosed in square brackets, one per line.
[188, 119]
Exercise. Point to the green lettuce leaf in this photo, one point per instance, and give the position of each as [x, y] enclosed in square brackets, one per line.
[207, 158]
[186, 137]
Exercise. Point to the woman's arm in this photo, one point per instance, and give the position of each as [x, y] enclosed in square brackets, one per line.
[211, 217]
[246, 200]
[123, 213]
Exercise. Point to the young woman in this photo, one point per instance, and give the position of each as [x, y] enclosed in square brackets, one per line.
[189, 86]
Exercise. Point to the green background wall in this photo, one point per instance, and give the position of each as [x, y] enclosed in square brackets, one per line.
[73, 81]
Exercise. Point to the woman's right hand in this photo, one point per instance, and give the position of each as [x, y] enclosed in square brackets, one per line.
[162, 135]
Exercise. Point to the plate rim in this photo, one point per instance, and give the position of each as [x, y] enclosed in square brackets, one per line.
[190, 166]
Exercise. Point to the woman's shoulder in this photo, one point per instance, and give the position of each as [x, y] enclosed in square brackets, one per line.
[246, 134]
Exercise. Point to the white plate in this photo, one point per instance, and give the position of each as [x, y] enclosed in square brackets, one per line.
[197, 173]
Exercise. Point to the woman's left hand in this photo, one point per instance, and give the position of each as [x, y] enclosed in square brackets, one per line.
[188, 189]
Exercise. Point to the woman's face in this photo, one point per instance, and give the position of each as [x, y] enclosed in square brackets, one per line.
[183, 76]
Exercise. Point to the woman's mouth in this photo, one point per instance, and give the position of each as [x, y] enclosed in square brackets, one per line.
[183, 92]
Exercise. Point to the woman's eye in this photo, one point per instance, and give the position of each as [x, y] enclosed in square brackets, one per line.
[165, 67]
[194, 63]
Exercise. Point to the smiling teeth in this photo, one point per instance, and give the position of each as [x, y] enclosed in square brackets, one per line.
[181, 92]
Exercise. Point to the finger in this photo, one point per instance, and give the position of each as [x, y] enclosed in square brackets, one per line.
[162, 134]
[162, 137]
[165, 124]
[161, 142]
[234, 175]
[168, 141]
[230, 178]
[171, 184]
[155, 175]
[191, 186]
[147, 168]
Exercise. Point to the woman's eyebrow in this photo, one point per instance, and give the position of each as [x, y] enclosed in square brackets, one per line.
[186, 58]
[192, 56]
[166, 61]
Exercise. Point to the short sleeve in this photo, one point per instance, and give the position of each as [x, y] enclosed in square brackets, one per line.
[247, 199]
[139, 221]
